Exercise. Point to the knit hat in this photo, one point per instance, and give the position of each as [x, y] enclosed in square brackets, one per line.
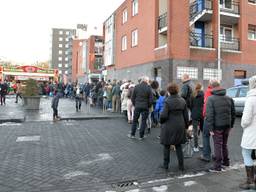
[252, 82]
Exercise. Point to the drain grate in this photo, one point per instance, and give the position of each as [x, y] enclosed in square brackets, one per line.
[125, 184]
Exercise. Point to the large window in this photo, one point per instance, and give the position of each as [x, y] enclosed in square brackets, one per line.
[191, 71]
[210, 73]
[124, 43]
[252, 32]
[125, 16]
[135, 38]
[226, 4]
[226, 33]
[252, 1]
[135, 7]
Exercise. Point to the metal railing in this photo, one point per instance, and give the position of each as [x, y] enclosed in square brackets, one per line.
[201, 40]
[231, 6]
[198, 6]
[230, 43]
[162, 21]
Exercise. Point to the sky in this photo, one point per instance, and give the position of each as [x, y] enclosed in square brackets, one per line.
[25, 32]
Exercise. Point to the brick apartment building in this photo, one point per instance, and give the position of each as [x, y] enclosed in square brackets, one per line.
[87, 59]
[167, 38]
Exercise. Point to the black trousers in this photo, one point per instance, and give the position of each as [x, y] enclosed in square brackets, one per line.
[179, 154]
[144, 114]
[2, 99]
[18, 95]
[55, 113]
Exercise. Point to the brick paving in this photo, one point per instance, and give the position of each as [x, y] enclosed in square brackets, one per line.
[94, 155]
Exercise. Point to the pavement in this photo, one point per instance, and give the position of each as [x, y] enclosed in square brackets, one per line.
[13, 112]
[97, 155]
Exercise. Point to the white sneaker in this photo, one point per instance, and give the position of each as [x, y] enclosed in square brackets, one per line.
[196, 149]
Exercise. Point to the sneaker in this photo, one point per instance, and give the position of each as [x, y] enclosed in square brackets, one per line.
[131, 136]
[141, 138]
[196, 149]
[201, 146]
[214, 170]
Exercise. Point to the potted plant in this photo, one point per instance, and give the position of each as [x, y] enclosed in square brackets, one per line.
[31, 98]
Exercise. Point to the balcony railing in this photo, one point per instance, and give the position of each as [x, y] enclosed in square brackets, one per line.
[162, 21]
[198, 6]
[230, 43]
[231, 6]
[201, 40]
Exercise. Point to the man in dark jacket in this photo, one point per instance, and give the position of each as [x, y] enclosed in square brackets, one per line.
[187, 91]
[220, 118]
[116, 98]
[142, 99]
[55, 104]
[3, 91]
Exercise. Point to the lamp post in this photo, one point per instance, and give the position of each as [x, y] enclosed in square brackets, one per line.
[219, 44]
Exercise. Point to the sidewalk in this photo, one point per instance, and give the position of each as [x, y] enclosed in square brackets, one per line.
[13, 112]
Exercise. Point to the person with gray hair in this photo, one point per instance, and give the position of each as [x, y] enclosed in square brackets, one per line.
[248, 142]
[220, 119]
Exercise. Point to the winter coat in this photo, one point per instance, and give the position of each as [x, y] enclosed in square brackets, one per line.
[3, 89]
[142, 96]
[116, 90]
[124, 99]
[160, 104]
[175, 121]
[207, 94]
[186, 93]
[55, 101]
[249, 121]
[220, 111]
[197, 106]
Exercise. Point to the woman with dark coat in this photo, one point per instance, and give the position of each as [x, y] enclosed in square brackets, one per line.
[174, 120]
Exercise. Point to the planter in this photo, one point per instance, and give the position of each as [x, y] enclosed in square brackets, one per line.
[31, 103]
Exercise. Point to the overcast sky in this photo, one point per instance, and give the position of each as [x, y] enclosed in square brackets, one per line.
[26, 24]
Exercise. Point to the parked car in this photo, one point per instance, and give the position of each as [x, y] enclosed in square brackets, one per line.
[238, 94]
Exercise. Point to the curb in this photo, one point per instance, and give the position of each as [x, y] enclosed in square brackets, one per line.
[90, 118]
[12, 120]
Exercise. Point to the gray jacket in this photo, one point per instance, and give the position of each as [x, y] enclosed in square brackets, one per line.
[220, 111]
[55, 101]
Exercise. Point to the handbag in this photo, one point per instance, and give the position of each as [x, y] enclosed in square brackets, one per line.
[253, 154]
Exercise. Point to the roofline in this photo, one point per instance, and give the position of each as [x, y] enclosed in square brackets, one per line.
[114, 12]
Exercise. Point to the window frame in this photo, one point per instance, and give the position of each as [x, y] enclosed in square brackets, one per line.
[124, 16]
[124, 43]
[135, 7]
[135, 38]
[254, 32]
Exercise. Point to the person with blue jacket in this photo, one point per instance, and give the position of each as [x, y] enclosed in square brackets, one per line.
[160, 104]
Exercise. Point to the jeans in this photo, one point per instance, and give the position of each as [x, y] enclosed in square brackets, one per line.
[55, 113]
[144, 114]
[206, 142]
[2, 99]
[248, 161]
[18, 95]
[196, 124]
[220, 140]
[78, 103]
[179, 154]
[116, 100]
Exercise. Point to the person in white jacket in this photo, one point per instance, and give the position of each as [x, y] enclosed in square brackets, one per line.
[249, 135]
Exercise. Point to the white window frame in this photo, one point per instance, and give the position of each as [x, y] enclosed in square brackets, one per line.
[66, 58]
[211, 74]
[252, 28]
[60, 72]
[223, 6]
[66, 72]
[67, 33]
[60, 58]
[135, 7]
[223, 38]
[60, 52]
[60, 45]
[135, 37]
[66, 65]
[125, 16]
[60, 32]
[60, 39]
[60, 65]
[66, 45]
[124, 43]
[67, 39]
[191, 71]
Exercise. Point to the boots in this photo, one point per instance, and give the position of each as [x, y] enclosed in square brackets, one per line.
[250, 181]
[254, 177]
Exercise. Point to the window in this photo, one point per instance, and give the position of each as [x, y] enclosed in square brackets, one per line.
[60, 72]
[67, 32]
[226, 33]
[60, 52]
[67, 39]
[252, 32]
[60, 39]
[243, 92]
[210, 74]
[125, 16]
[232, 92]
[66, 59]
[66, 72]
[135, 7]
[66, 45]
[226, 4]
[252, 1]
[135, 38]
[124, 43]
[66, 52]
[60, 65]
[60, 45]
[191, 71]
[66, 65]
[60, 32]
[60, 58]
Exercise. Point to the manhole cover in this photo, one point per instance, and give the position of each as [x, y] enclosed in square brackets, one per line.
[125, 184]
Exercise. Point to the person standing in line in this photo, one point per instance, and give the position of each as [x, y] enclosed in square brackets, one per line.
[18, 92]
[142, 99]
[248, 143]
[55, 104]
[130, 107]
[124, 99]
[220, 119]
[187, 92]
[197, 113]
[3, 92]
[116, 98]
[78, 97]
[174, 120]
[206, 153]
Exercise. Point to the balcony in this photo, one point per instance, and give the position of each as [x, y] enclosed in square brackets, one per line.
[201, 40]
[162, 24]
[230, 11]
[230, 43]
[201, 10]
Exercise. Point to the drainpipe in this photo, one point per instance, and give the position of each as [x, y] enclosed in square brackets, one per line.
[219, 44]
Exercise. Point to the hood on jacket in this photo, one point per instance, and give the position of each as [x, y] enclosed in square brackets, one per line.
[251, 92]
[200, 94]
[219, 91]
[252, 82]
